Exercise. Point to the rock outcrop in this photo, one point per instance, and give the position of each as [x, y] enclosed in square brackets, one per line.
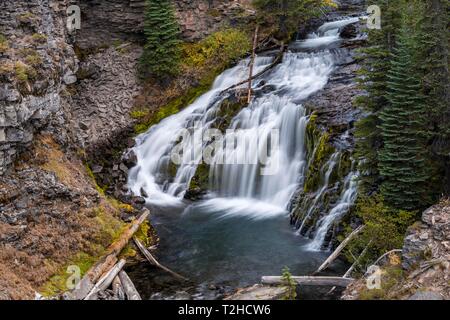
[424, 272]
[39, 68]
[35, 63]
[106, 21]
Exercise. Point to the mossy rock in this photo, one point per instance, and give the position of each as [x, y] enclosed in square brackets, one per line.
[199, 183]
[321, 154]
[227, 110]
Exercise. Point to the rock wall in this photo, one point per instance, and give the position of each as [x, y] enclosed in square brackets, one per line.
[35, 62]
[39, 67]
[107, 21]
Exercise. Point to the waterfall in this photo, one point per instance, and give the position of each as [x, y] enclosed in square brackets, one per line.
[327, 170]
[154, 147]
[346, 200]
[239, 188]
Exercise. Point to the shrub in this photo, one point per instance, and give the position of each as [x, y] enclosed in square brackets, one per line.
[217, 50]
[385, 228]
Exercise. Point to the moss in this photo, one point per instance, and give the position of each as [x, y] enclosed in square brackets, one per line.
[173, 106]
[138, 114]
[111, 228]
[143, 233]
[217, 50]
[228, 109]
[39, 38]
[58, 283]
[94, 180]
[200, 180]
[214, 13]
[23, 72]
[322, 152]
[27, 18]
[4, 45]
[33, 59]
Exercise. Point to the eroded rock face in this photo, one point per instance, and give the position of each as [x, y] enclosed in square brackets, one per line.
[425, 260]
[106, 21]
[33, 65]
[428, 239]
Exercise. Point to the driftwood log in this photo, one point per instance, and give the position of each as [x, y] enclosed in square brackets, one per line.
[154, 262]
[309, 281]
[93, 275]
[339, 249]
[105, 281]
[128, 287]
[117, 287]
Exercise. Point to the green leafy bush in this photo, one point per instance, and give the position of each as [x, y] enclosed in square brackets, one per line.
[385, 228]
[217, 50]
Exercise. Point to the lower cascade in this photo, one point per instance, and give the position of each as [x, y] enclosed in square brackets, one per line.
[251, 196]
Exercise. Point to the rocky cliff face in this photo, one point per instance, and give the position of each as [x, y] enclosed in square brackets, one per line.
[107, 21]
[36, 63]
[39, 68]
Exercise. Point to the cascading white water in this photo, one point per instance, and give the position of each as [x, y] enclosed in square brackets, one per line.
[346, 200]
[240, 189]
[328, 170]
[153, 148]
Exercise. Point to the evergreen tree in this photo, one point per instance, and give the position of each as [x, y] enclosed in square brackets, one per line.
[434, 57]
[373, 80]
[289, 14]
[403, 158]
[161, 55]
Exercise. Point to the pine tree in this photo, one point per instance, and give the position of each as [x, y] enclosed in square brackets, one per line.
[434, 57]
[403, 158]
[373, 80]
[161, 55]
[289, 14]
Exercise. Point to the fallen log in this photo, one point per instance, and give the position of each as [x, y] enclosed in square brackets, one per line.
[118, 290]
[339, 249]
[128, 287]
[153, 261]
[92, 276]
[252, 62]
[309, 281]
[106, 280]
[385, 255]
[350, 270]
[277, 60]
[352, 267]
